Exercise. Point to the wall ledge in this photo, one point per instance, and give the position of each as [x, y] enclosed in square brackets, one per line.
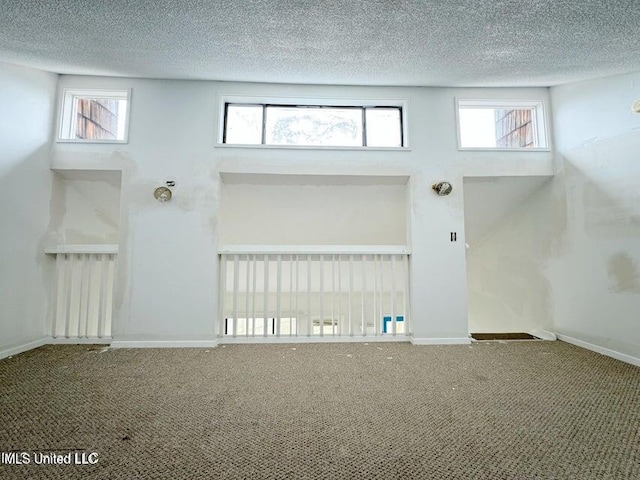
[110, 249]
[623, 357]
[314, 249]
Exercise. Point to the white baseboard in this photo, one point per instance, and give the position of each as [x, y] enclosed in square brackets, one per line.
[441, 341]
[314, 339]
[164, 344]
[8, 352]
[79, 341]
[623, 357]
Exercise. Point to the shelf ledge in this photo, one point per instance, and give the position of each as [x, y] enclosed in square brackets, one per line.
[95, 249]
[314, 249]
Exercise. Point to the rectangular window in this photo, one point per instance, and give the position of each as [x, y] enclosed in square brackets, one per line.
[312, 125]
[94, 116]
[501, 125]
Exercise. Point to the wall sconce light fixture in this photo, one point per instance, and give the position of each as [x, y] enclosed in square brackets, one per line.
[162, 194]
[442, 188]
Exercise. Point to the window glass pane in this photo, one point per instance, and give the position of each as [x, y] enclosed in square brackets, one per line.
[483, 127]
[122, 118]
[477, 128]
[515, 128]
[94, 115]
[98, 119]
[314, 126]
[244, 124]
[383, 127]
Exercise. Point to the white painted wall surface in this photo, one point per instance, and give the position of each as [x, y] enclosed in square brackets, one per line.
[488, 201]
[508, 255]
[313, 215]
[167, 280]
[85, 208]
[597, 279]
[27, 99]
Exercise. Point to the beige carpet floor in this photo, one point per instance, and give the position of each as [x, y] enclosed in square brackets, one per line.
[518, 411]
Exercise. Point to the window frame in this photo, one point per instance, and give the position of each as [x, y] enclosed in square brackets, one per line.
[68, 111]
[541, 124]
[286, 102]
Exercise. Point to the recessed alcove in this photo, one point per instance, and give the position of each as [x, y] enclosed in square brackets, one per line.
[85, 206]
[83, 236]
[509, 222]
[313, 255]
[275, 209]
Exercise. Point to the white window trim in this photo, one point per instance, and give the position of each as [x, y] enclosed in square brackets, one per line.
[67, 105]
[541, 124]
[312, 101]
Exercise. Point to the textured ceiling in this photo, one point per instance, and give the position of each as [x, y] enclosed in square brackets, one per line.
[366, 42]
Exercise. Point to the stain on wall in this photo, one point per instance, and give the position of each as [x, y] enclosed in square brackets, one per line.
[624, 275]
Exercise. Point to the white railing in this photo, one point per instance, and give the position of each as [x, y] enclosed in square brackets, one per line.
[314, 292]
[83, 291]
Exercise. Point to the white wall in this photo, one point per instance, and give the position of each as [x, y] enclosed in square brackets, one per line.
[587, 249]
[597, 279]
[488, 201]
[27, 99]
[253, 214]
[167, 280]
[507, 263]
[85, 208]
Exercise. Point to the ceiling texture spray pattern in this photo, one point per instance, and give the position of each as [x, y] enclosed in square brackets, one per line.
[361, 42]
